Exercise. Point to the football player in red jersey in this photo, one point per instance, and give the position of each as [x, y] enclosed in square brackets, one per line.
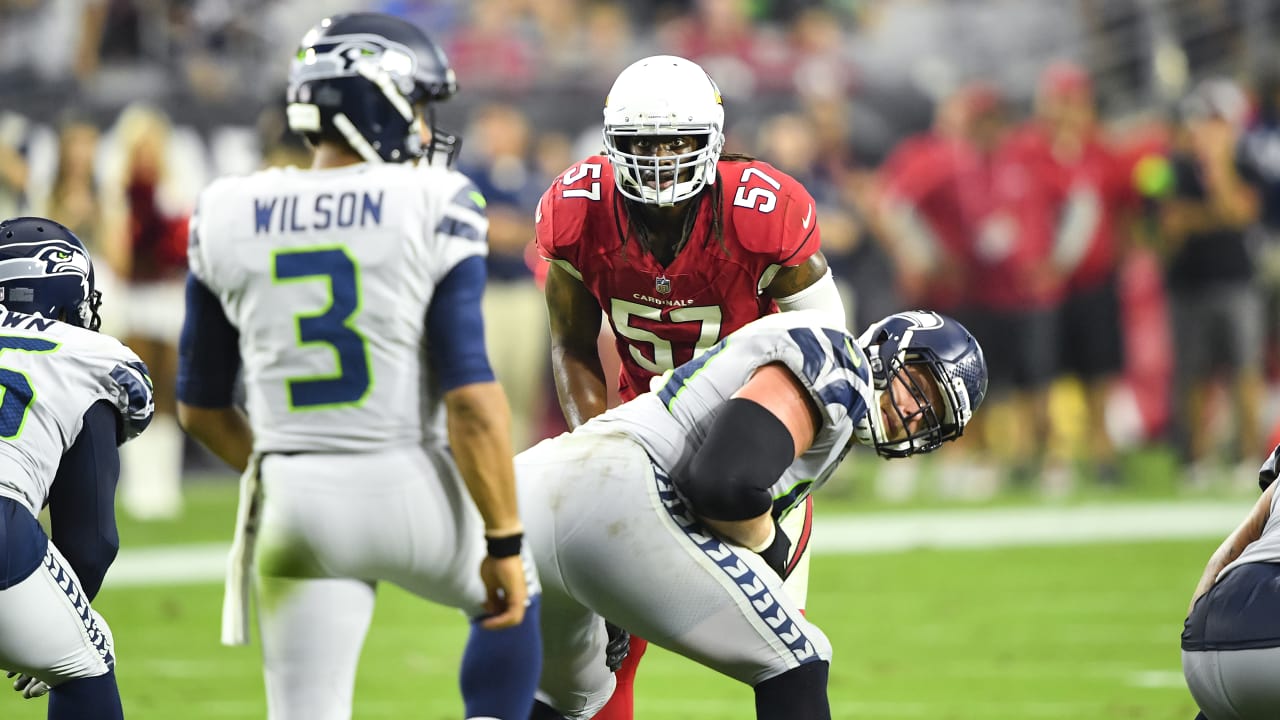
[679, 245]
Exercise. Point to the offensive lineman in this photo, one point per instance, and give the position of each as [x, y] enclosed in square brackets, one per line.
[349, 294]
[679, 246]
[661, 513]
[70, 398]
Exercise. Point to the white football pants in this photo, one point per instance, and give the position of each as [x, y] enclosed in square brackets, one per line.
[333, 525]
[612, 538]
[48, 630]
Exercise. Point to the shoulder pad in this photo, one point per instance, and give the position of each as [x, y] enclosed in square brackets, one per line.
[773, 215]
[585, 187]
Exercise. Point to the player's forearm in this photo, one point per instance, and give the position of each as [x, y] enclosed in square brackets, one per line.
[479, 425]
[752, 533]
[1248, 531]
[224, 431]
[580, 384]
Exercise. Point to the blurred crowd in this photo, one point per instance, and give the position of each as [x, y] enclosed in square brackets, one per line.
[1092, 186]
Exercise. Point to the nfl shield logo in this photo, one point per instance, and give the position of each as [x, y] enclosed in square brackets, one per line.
[662, 284]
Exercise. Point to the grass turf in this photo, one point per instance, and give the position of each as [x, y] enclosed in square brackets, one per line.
[1016, 634]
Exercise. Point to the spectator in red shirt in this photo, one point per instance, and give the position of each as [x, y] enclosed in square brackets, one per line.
[1091, 226]
[933, 198]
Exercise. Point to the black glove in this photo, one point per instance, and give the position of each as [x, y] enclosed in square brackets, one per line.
[618, 648]
[778, 552]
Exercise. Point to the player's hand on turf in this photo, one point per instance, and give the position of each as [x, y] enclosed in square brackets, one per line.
[505, 590]
[29, 686]
[618, 648]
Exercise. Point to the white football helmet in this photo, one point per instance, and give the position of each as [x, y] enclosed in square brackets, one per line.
[663, 95]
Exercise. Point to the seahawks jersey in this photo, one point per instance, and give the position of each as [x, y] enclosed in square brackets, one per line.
[1267, 547]
[327, 275]
[51, 374]
[672, 421]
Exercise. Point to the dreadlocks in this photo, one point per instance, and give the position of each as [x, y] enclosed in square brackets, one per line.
[645, 235]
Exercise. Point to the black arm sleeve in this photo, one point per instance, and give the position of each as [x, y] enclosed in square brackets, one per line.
[746, 451]
[208, 351]
[82, 500]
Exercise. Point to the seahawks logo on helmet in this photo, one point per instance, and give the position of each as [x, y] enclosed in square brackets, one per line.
[45, 270]
[369, 80]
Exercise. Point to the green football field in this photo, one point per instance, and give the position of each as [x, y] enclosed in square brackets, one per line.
[1020, 633]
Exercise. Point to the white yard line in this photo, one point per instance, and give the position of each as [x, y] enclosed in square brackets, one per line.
[1022, 527]
[844, 534]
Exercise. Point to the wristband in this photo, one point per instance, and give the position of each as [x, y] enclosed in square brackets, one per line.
[504, 547]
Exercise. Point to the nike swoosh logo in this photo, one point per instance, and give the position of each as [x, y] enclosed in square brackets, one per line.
[805, 223]
[538, 215]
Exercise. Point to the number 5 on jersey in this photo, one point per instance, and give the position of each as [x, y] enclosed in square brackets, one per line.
[18, 393]
[332, 327]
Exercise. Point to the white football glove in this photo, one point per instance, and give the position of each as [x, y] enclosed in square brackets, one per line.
[29, 686]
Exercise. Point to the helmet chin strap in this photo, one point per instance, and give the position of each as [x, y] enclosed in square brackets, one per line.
[871, 431]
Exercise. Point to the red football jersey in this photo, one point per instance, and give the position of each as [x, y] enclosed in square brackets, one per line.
[1014, 243]
[1105, 172]
[944, 180]
[663, 316]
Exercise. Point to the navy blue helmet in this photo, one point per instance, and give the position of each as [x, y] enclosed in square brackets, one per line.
[368, 79]
[45, 270]
[948, 353]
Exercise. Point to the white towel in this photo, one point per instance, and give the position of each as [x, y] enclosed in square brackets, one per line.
[235, 598]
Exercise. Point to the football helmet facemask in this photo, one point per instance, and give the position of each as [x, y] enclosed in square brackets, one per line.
[369, 78]
[947, 354]
[667, 96]
[45, 270]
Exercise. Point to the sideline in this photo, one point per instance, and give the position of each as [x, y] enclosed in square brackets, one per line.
[885, 532]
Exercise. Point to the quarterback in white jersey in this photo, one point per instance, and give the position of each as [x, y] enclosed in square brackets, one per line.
[376, 441]
[328, 274]
[70, 397]
[662, 514]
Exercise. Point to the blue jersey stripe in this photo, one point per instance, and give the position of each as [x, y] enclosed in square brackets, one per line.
[65, 580]
[815, 356]
[681, 375]
[455, 227]
[838, 392]
[469, 198]
[775, 617]
[843, 351]
[133, 378]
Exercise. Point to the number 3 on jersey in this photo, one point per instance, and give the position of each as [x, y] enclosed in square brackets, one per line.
[334, 326]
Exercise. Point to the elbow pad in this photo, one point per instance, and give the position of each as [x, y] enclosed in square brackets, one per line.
[822, 296]
[746, 450]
